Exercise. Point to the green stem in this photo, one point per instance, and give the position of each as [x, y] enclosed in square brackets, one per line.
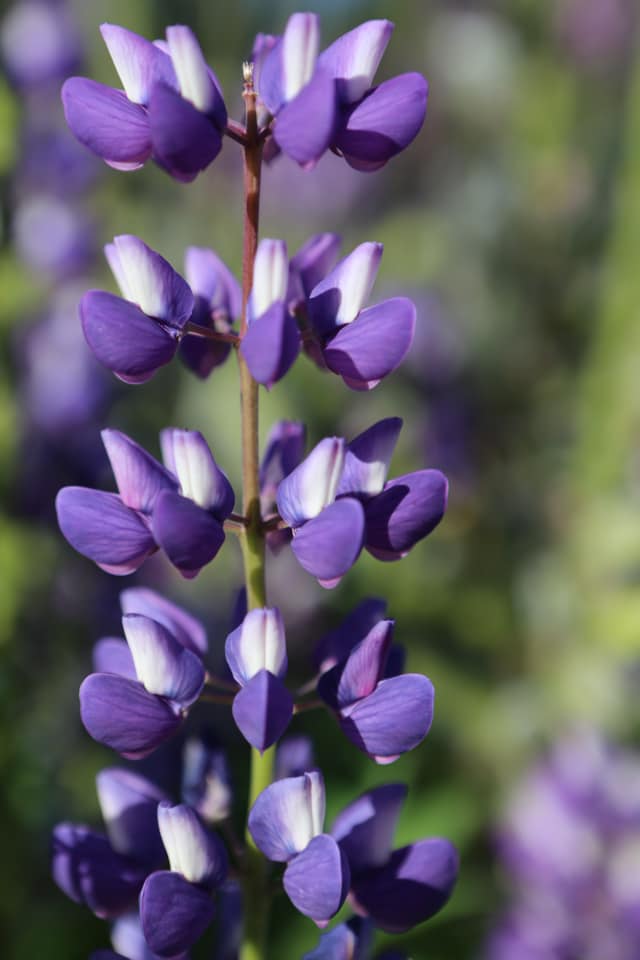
[252, 538]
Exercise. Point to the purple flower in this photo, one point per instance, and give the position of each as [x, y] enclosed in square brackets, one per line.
[286, 824]
[257, 657]
[171, 108]
[206, 781]
[383, 716]
[179, 507]
[136, 335]
[218, 302]
[397, 889]
[352, 940]
[339, 642]
[175, 904]
[284, 449]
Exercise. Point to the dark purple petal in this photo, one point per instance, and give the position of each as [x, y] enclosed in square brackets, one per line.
[123, 338]
[89, 871]
[415, 883]
[317, 880]
[112, 655]
[294, 757]
[287, 815]
[358, 675]
[163, 665]
[189, 535]
[106, 122]
[122, 715]
[348, 941]
[139, 477]
[311, 263]
[354, 57]
[210, 278]
[408, 509]
[367, 459]
[185, 141]
[202, 356]
[340, 296]
[262, 710]
[271, 344]
[100, 527]
[365, 828]
[374, 345]
[283, 452]
[186, 628]
[302, 139]
[193, 851]
[393, 719]
[174, 913]
[129, 805]
[335, 646]
[206, 780]
[329, 545]
[384, 122]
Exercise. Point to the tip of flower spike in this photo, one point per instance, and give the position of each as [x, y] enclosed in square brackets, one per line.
[247, 72]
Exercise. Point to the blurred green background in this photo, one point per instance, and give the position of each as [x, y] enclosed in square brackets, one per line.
[514, 222]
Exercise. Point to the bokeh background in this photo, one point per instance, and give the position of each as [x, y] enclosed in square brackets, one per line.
[514, 223]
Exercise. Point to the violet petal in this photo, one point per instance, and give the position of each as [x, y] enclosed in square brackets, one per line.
[262, 710]
[201, 479]
[335, 645]
[367, 459]
[184, 626]
[112, 655]
[329, 545]
[354, 57]
[311, 263]
[365, 828]
[407, 510]
[174, 913]
[340, 296]
[139, 477]
[257, 644]
[185, 141]
[189, 535]
[148, 280]
[312, 486]
[358, 675]
[393, 719]
[163, 665]
[138, 62]
[193, 851]
[305, 142]
[129, 806]
[287, 815]
[106, 122]
[317, 880]
[271, 344]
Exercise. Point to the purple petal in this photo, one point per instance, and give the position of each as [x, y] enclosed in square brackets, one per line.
[106, 122]
[185, 141]
[262, 710]
[148, 280]
[358, 675]
[287, 815]
[89, 871]
[408, 509]
[317, 880]
[294, 757]
[283, 452]
[186, 628]
[128, 939]
[193, 851]
[268, 71]
[335, 646]
[340, 296]
[139, 62]
[257, 644]
[301, 140]
[122, 715]
[300, 42]
[123, 338]
[311, 263]
[365, 828]
[189, 535]
[112, 655]
[174, 913]
[271, 345]
[415, 883]
[347, 941]
[129, 806]
[393, 719]
[384, 122]
[329, 545]
[206, 780]
[312, 486]
[367, 459]
[100, 527]
[354, 57]
[195, 80]
[203, 356]
[163, 665]
[201, 479]
[139, 477]
[270, 276]
[374, 345]
[210, 278]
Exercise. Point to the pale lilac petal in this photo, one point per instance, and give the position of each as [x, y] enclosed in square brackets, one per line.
[193, 851]
[121, 714]
[308, 489]
[257, 644]
[210, 278]
[330, 544]
[358, 675]
[194, 78]
[139, 62]
[393, 719]
[163, 665]
[189, 535]
[300, 43]
[184, 626]
[123, 338]
[384, 122]
[185, 141]
[317, 880]
[201, 479]
[139, 477]
[149, 281]
[270, 276]
[407, 510]
[174, 913]
[284, 450]
[366, 827]
[305, 142]
[367, 459]
[112, 655]
[262, 710]
[311, 263]
[354, 57]
[415, 883]
[106, 122]
[271, 345]
[268, 80]
[99, 526]
[374, 345]
[341, 295]
[336, 644]
[129, 807]
[287, 815]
